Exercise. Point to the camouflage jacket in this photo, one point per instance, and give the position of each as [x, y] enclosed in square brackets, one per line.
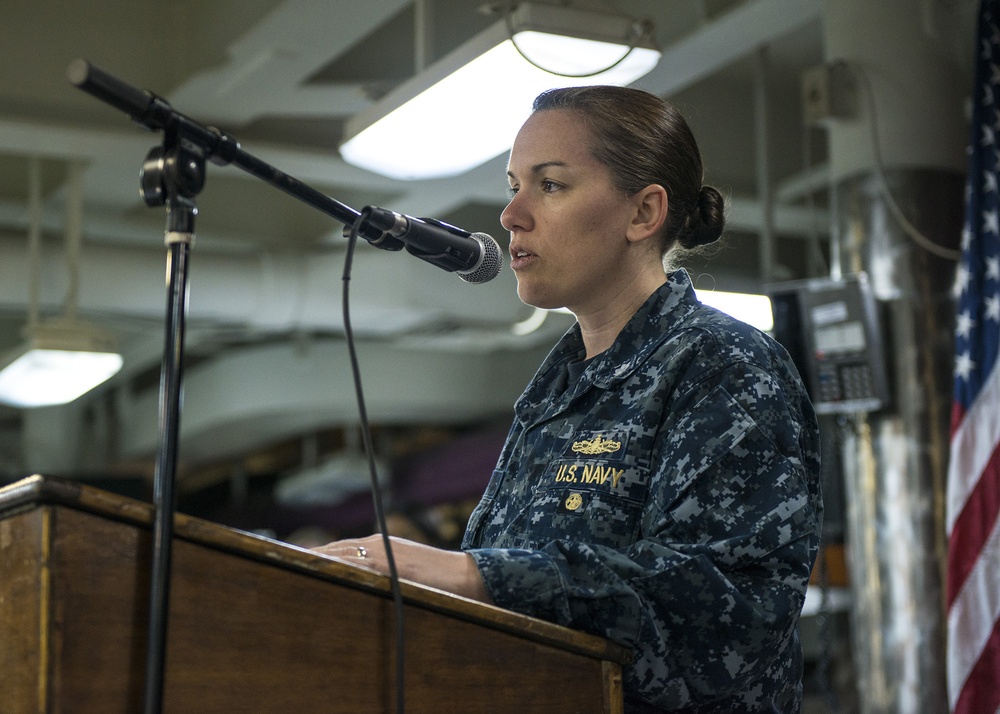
[667, 499]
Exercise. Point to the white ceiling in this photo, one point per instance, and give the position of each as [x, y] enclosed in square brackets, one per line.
[265, 330]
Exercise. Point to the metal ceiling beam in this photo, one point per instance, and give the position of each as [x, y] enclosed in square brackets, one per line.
[281, 52]
[727, 39]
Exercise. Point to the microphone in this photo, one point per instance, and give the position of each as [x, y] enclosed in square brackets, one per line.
[476, 257]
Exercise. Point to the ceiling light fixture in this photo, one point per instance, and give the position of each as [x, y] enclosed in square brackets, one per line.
[465, 109]
[62, 360]
[64, 357]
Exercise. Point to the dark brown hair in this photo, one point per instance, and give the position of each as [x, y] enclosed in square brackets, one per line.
[644, 140]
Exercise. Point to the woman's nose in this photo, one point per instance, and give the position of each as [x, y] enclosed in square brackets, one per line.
[514, 217]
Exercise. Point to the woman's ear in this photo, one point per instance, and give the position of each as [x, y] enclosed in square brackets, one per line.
[651, 206]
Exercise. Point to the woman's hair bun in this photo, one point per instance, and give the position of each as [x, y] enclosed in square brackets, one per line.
[706, 222]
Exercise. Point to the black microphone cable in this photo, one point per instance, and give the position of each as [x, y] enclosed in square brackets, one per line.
[397, 596]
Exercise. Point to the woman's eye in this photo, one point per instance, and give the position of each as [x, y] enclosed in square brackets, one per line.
[511, 191]
[549, 186]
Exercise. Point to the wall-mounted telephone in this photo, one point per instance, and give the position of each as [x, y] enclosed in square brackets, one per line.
[831, 330]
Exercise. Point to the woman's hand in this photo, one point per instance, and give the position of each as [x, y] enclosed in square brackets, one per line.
[449, 570]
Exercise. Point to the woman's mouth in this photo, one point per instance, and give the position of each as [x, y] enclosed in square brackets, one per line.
[519, 258]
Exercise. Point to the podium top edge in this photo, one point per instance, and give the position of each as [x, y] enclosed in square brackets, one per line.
[39, 491]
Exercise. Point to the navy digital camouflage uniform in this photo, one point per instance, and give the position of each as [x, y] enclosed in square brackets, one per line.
[667, 499]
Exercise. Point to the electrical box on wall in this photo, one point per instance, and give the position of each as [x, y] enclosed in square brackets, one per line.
[831, 330]
[828, 92]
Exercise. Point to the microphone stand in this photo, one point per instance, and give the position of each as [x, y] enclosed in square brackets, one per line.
[173, 174]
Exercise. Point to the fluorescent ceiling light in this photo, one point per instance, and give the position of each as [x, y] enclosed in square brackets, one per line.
[752, 309]
[465, 109]
[747, 307]
[61, 361]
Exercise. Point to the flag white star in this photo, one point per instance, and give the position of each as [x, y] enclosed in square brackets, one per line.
[992, 305]
[964, 366]
[991, 222]
[989, 181]
[961, 280]
[964, 324]
[989, 138]
[993, 268]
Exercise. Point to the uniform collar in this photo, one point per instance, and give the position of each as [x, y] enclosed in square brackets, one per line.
[651, 324]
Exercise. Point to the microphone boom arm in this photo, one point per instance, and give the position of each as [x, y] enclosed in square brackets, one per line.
[154, 113]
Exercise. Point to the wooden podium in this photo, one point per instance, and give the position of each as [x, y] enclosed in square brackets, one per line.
[254, 625]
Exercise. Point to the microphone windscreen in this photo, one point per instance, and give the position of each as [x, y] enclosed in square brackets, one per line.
[489, 264]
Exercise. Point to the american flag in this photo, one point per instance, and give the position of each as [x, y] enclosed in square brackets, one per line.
[974, 467]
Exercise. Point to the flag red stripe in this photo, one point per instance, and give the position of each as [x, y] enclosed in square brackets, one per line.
[957, 416]
[973, 526]
[980, 692]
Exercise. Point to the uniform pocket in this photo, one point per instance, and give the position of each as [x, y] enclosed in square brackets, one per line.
[582, 512]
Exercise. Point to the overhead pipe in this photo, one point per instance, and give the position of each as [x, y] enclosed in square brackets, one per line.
[765, 195]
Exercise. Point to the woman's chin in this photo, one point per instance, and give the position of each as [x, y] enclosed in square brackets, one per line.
[537, 298]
